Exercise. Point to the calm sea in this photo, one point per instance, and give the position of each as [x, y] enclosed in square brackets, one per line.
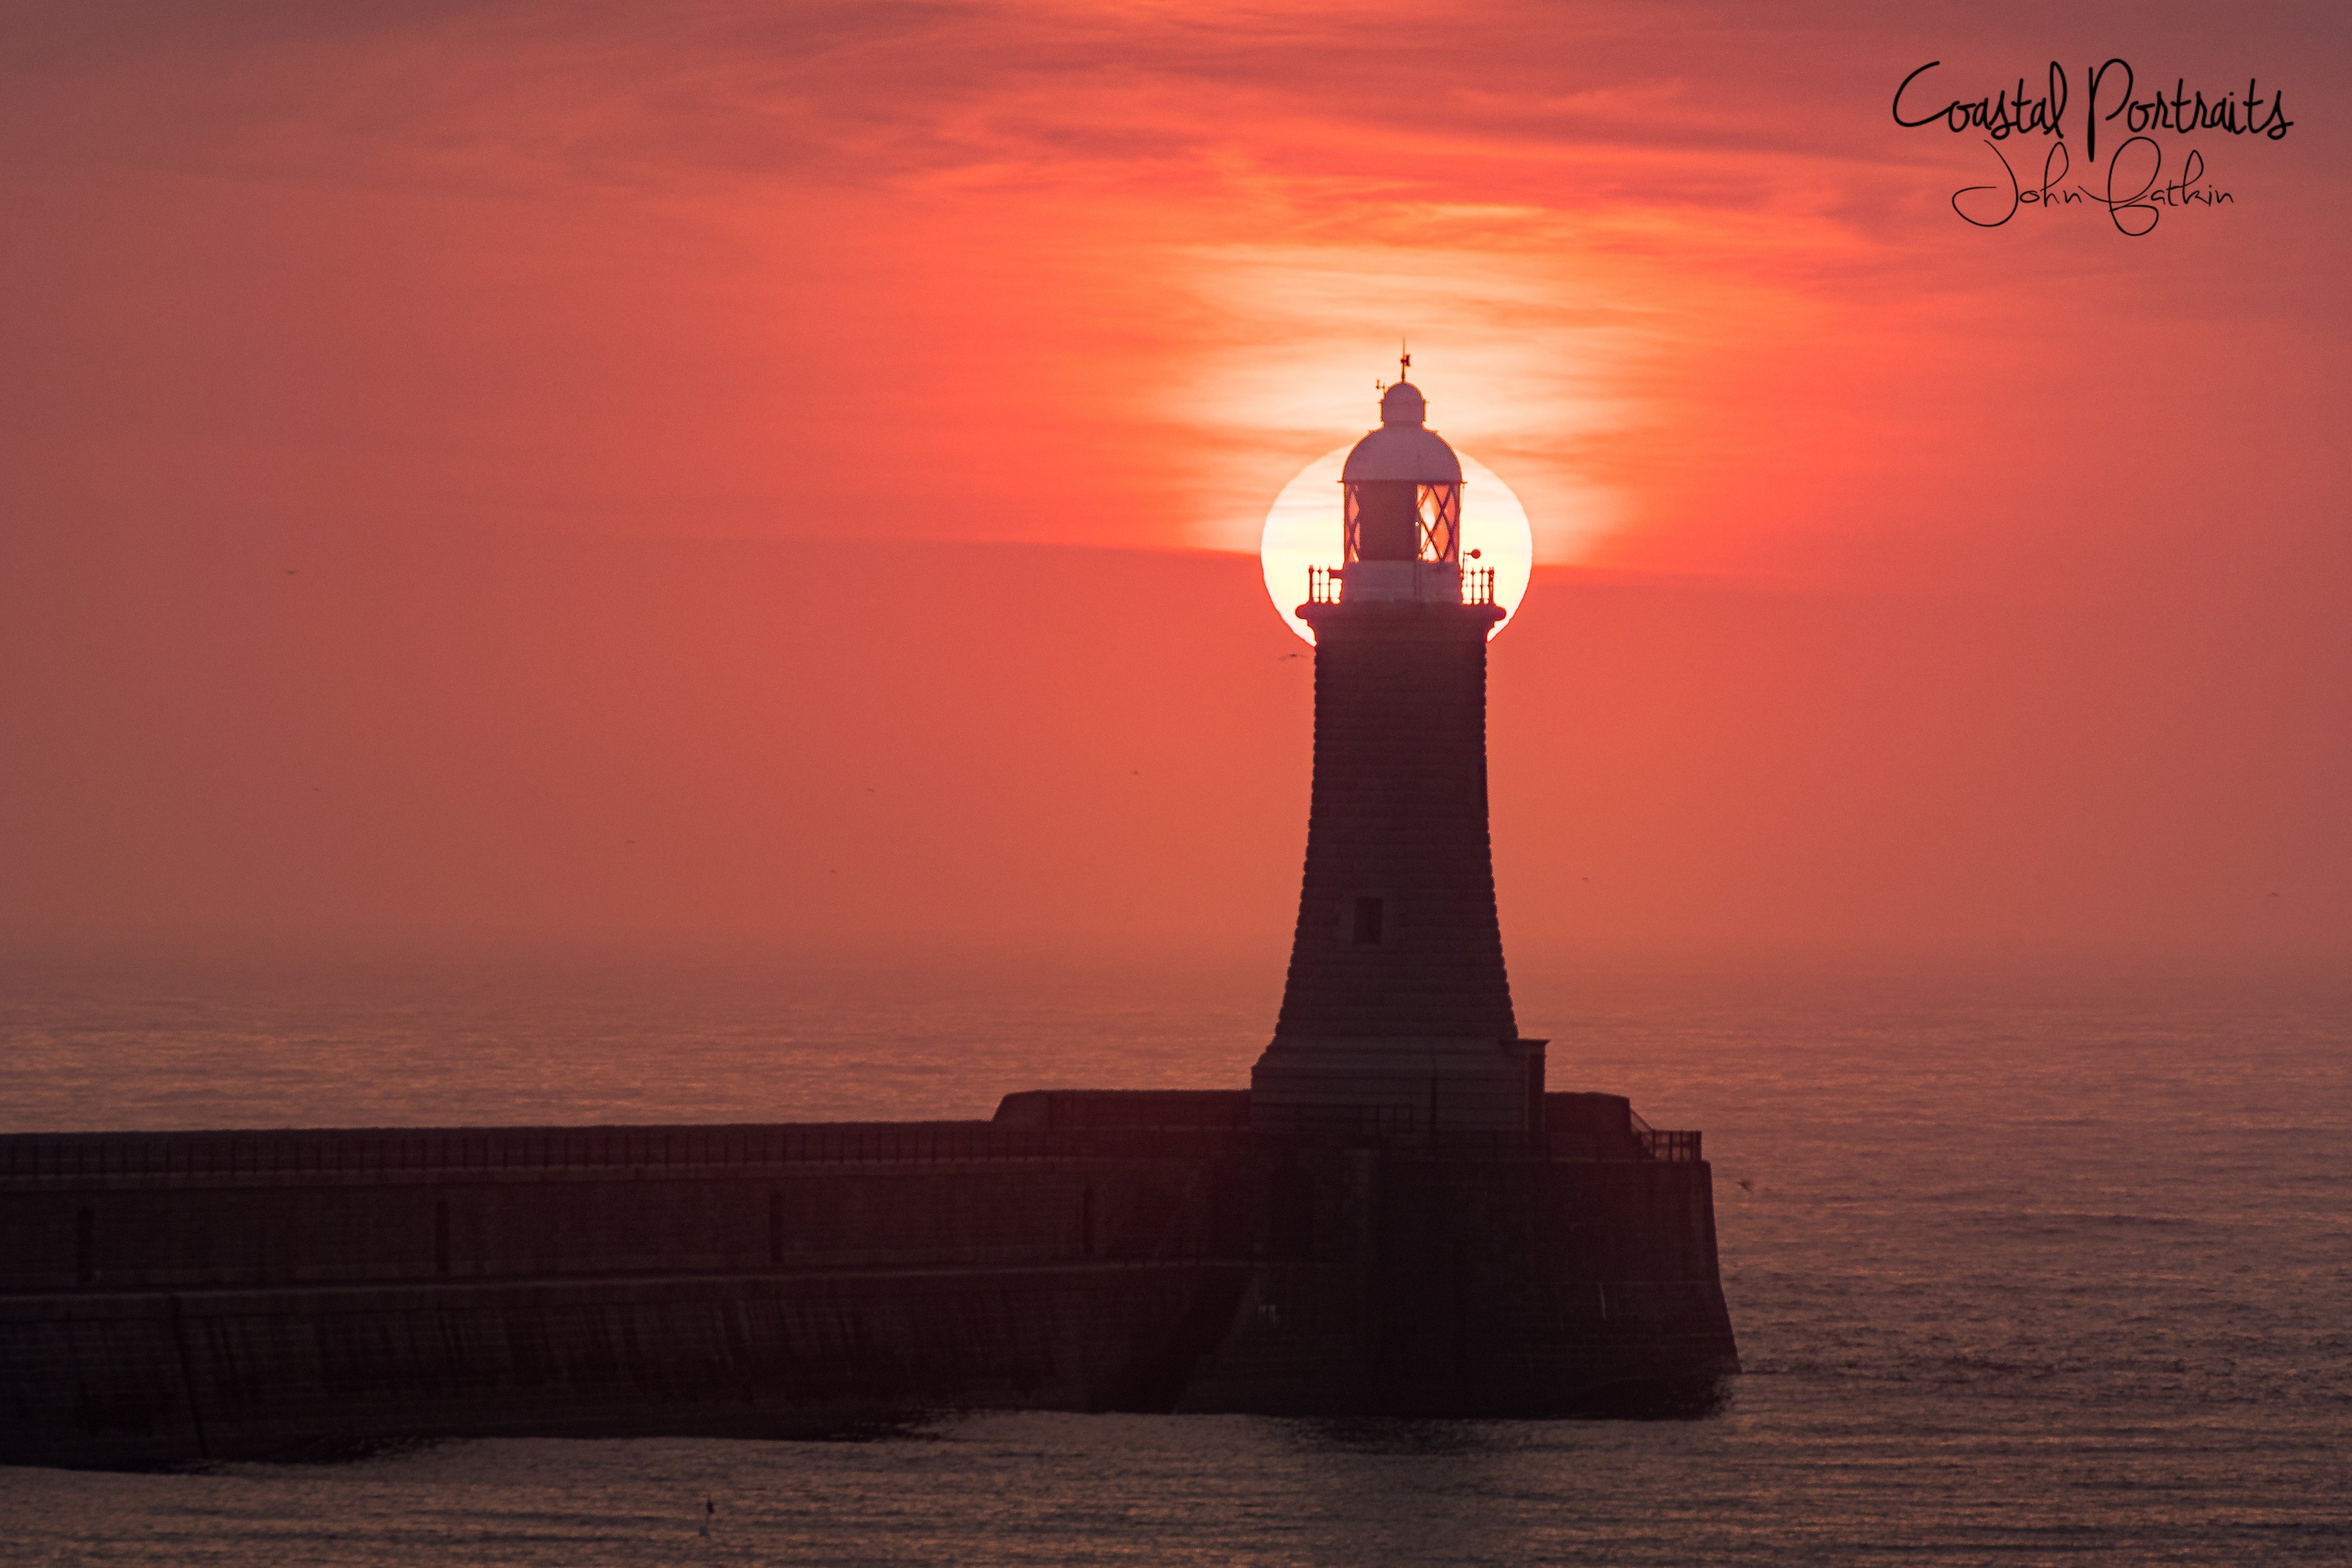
[2022, 1273]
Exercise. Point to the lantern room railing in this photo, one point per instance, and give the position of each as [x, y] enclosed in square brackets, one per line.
[1327, 584]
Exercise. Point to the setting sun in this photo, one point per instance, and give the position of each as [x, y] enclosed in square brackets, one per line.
[1303, 529]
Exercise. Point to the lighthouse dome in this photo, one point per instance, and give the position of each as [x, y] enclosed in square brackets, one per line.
[1404, 447]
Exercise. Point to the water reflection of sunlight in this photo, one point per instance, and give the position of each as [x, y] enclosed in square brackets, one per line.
[1387, 1435]
[1422, 1490]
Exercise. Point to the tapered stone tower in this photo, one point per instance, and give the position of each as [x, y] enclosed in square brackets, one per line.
[1397, 1015]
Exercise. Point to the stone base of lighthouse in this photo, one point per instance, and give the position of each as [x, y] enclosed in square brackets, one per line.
[1409, 1089]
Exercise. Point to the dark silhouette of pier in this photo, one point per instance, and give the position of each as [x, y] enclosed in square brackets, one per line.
[1397, 1216]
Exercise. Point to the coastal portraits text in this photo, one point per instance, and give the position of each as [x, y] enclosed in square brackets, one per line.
[2149, 163]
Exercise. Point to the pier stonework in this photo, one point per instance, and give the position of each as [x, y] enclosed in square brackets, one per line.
[182, 1297]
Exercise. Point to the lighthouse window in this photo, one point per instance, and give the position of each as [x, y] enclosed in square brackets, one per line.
[1368, 920]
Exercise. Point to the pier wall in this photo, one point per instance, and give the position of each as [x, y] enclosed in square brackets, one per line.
[162, 1377]
[1449, 1287]
[464, 1213]
[172, 1298]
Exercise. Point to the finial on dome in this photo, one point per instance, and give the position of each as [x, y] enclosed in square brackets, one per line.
[1401, 401]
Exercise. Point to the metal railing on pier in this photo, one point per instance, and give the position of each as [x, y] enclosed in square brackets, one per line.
[1397, 1126]
[376, 1153]
[1658, 1144]
[37, 1156]
[1674, 1148]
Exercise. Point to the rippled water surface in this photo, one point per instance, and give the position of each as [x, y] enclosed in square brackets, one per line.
[2022, 1273]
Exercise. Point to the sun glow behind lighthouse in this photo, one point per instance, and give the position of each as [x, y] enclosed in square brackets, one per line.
[1305, 524]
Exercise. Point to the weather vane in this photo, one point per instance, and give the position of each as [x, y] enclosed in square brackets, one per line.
[1405, 364]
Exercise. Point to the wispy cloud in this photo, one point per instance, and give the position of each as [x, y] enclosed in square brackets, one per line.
[1643, 251]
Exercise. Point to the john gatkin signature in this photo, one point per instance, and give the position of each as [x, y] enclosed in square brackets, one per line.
[2133, 199]
[2134, 211]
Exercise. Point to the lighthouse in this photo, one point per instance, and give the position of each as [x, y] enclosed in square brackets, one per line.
[1396, 1016]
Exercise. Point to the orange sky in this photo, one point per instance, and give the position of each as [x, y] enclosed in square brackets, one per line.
[649, 402]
